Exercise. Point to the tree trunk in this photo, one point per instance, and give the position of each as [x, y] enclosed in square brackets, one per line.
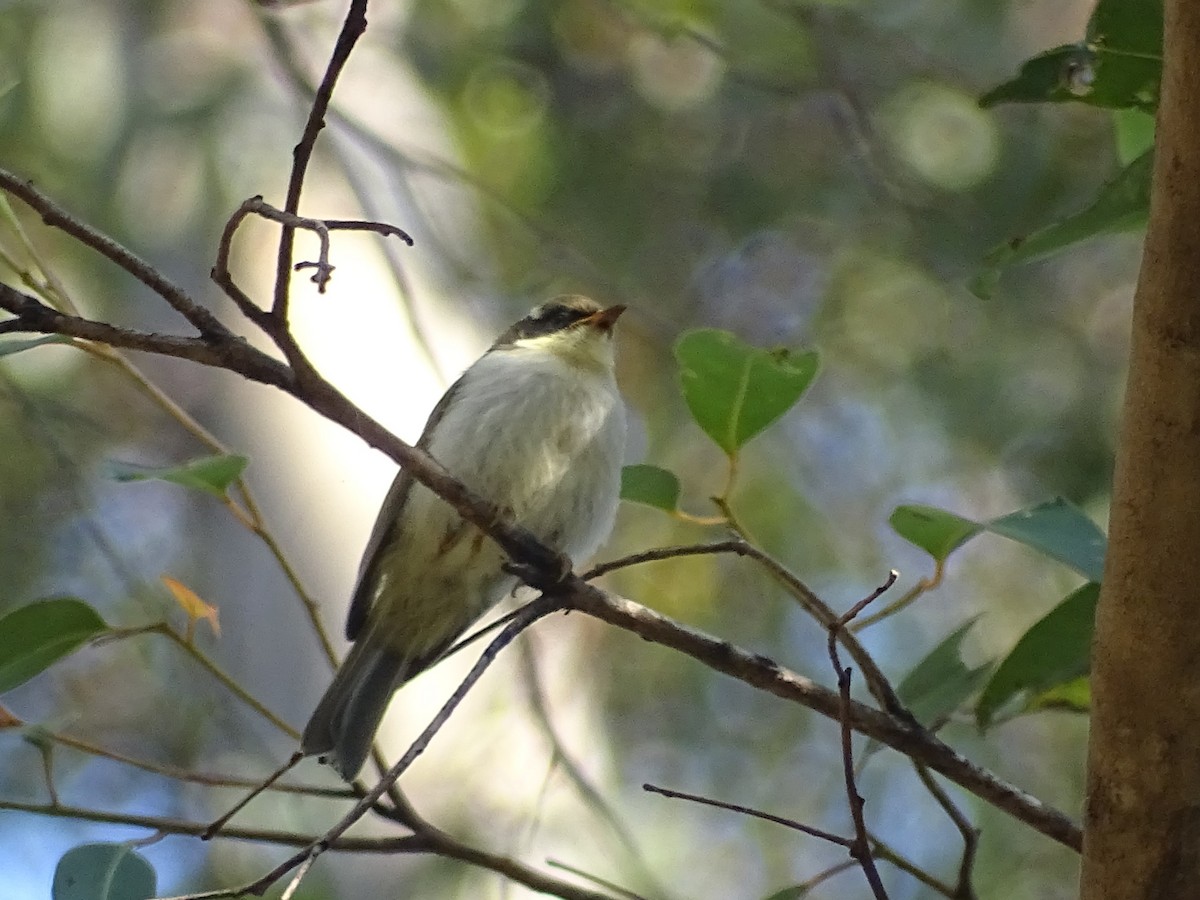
[1142, 821]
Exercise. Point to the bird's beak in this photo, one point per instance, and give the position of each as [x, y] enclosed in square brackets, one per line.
[604, 319]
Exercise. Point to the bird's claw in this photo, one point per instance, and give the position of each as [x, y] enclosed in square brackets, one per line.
[549, 580]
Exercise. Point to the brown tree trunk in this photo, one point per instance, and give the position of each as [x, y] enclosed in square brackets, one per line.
[1142, 822]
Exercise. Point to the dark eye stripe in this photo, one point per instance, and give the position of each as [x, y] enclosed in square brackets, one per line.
[548, 320]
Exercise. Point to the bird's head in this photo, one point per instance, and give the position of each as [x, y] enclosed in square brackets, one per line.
[576, 328]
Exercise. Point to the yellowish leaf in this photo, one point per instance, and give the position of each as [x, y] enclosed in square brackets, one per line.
[8, 720]
[195, 608]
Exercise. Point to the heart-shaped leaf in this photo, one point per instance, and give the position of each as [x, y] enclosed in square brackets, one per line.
[734, 390]
[650, 486]
[103, 872]
[934, 530]
[34, 636]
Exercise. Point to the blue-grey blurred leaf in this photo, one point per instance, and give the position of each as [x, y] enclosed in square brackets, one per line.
[103, 872]
[1059, 530]
[18, 345]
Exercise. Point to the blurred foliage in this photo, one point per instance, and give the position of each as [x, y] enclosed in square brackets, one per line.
[815, 175]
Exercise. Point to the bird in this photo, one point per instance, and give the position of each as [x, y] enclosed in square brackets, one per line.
[537, 426]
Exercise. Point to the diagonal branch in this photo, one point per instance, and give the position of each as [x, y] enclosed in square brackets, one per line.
[54, 215]
[765, 674]
[231, 353]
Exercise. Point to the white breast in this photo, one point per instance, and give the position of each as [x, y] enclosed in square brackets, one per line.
[543, 438]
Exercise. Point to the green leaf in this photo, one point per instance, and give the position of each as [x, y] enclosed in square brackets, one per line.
[651, 486]
[103, 872]
[212, 474]
[1123, 204]
[795, 892]
[1059, 530]
[937, 685]
[934, 530]
[34, 636]
[1085, 74]
[1134, 132]
[1054, 652]
[940, 683]
[1072, 696]
[1117, 65]
[9, 347]
[734, 390]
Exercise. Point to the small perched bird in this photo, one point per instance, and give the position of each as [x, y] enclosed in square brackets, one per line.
[537, 427]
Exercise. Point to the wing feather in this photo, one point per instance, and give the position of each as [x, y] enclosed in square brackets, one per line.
[389, 523]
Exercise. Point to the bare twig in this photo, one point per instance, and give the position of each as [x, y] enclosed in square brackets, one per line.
[403, 844]
[320, 227]
[353, 27]
[294, 884]
[607, 885]
[54, 215]
[924, 586]
[530, 613]
[878, 683]
[860, 847]
[756, 813]
[539, 706]
[964, 889]
[187, 775]
[885, 853]
[232, 354]
[215, 827]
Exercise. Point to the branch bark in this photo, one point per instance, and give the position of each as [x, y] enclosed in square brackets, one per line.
[1143, 791]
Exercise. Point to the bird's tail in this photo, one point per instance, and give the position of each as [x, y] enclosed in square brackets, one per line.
[343, 725]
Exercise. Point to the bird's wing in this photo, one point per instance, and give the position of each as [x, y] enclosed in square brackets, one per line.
[389, 523]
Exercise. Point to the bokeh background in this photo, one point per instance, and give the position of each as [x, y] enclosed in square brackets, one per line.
[814, 175]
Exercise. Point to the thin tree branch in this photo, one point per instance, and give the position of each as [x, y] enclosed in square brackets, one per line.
[907, 737]
[353, 27]
[860, 847]
[54, 215]
[878, 683]
[819, 833]
[178, 774]
[530, 613]
[588, 792]
[232, 353]
[963, 889]
[403, 844]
